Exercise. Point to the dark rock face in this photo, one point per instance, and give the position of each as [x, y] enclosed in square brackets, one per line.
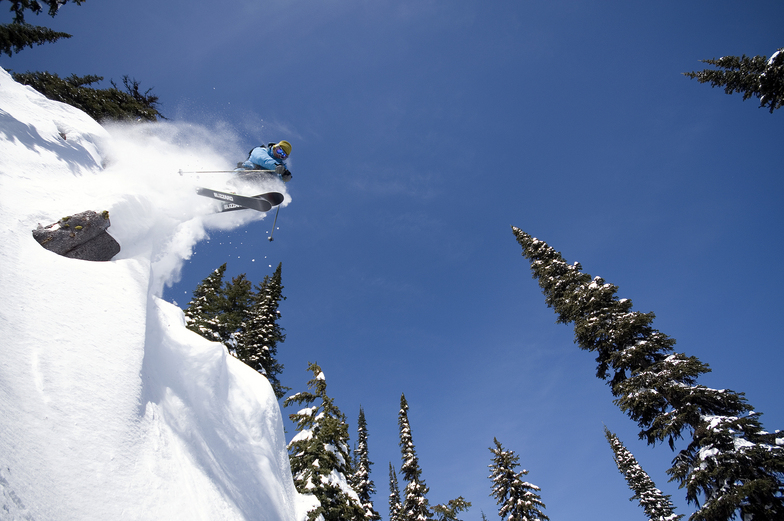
[80, 236]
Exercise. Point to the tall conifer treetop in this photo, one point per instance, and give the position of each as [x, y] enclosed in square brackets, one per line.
[237, 299]
[730, 461]
[361, 481]
[257, 342]
[203, 313]
[518, 499]
[415, 504]
[320, 455]
[218, 311]
[395, 505]
[657, 505]
[449, 511]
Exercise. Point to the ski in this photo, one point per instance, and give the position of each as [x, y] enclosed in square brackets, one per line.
[261, 203]
[274, 198]
[239, 172]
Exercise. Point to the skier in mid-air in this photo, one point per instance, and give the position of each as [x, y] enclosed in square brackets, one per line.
[270, 157]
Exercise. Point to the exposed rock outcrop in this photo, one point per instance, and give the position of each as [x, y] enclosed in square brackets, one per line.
[80, 236]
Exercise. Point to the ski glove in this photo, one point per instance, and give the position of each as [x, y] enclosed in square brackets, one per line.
[284, 174]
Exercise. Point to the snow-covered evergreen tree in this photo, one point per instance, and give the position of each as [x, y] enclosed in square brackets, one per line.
[319, 453]
[736, 466]
[656, 504]
[361, 481]
[731, 462]
[237, 301]
[448, 511]
[415, 504]
[518, 499]
[203, 314]
[243, 320]
[395, 505]
[218, 311]
[759, 76]
[257, 343]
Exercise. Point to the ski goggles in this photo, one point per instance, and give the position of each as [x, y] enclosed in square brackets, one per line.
[280, 152]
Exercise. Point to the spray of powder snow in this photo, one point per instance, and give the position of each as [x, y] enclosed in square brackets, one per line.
[154, 209]
[57, 161]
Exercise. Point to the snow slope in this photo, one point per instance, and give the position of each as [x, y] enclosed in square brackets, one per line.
[109, 407]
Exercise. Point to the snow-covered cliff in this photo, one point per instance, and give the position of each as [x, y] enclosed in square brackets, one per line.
[109, 407]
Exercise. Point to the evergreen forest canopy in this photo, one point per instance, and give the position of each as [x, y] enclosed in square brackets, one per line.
[731, 467]
[243, 320]
[110, 104]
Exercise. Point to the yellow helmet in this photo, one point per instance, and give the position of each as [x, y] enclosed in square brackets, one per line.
[286, 146]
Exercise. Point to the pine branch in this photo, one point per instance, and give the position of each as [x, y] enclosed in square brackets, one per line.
[18, 7]
[756, 76]
[100, 104]
[15, 37]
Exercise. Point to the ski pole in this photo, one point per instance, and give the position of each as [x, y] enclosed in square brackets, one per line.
[181, 172]
[273, 223]
[207, 172]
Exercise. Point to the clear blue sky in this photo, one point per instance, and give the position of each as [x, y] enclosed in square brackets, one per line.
[421, 131]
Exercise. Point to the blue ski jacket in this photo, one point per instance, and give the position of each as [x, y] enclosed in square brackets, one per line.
[262, 157]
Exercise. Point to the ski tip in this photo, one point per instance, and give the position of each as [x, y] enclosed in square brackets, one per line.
[274, 198]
